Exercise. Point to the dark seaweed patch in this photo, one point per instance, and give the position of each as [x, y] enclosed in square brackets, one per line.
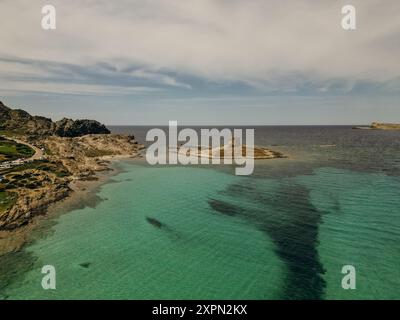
[156, 223]
[85, 265]
[224, 208]
[13, 268]
[292, 222]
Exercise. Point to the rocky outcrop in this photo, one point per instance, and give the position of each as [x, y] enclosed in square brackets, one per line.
[82, 156]
[385, 126]
[229, 151]
[379, 126]
[4, 112]
[20, 121]
[33, 202]
[69, 128]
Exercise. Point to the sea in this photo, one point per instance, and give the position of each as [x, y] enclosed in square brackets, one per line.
[288, 231]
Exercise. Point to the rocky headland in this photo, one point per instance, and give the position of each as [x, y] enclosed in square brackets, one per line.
[64, 151]
[380, 126]
[21, 122]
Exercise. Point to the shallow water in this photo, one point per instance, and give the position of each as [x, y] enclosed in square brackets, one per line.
[203, 233]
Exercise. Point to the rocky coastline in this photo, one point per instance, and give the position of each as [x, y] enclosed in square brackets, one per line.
[71, 159]
[66, 161]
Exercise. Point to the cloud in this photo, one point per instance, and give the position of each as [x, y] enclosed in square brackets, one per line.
[25, 75]
[11, 88]
[276, 45]
[158, 78]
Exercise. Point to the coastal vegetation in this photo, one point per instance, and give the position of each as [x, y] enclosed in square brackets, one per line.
[7, 200]
[11, 150]
[46, 166]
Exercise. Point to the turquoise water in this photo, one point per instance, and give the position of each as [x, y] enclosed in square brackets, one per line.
[196, 233]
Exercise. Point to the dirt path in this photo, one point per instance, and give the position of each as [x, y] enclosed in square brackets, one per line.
[38, 152]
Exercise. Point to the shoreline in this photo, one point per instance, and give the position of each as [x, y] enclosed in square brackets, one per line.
[83, 193]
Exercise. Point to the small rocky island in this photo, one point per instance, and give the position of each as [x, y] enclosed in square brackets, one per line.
[229, 150]
[380, 126]
[39, 159]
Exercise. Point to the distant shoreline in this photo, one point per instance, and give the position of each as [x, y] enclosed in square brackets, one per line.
[379, 126]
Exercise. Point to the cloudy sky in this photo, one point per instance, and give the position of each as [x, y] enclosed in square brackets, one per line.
[203, 61]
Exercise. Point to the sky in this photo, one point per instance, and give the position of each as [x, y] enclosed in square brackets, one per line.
[203, 62]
